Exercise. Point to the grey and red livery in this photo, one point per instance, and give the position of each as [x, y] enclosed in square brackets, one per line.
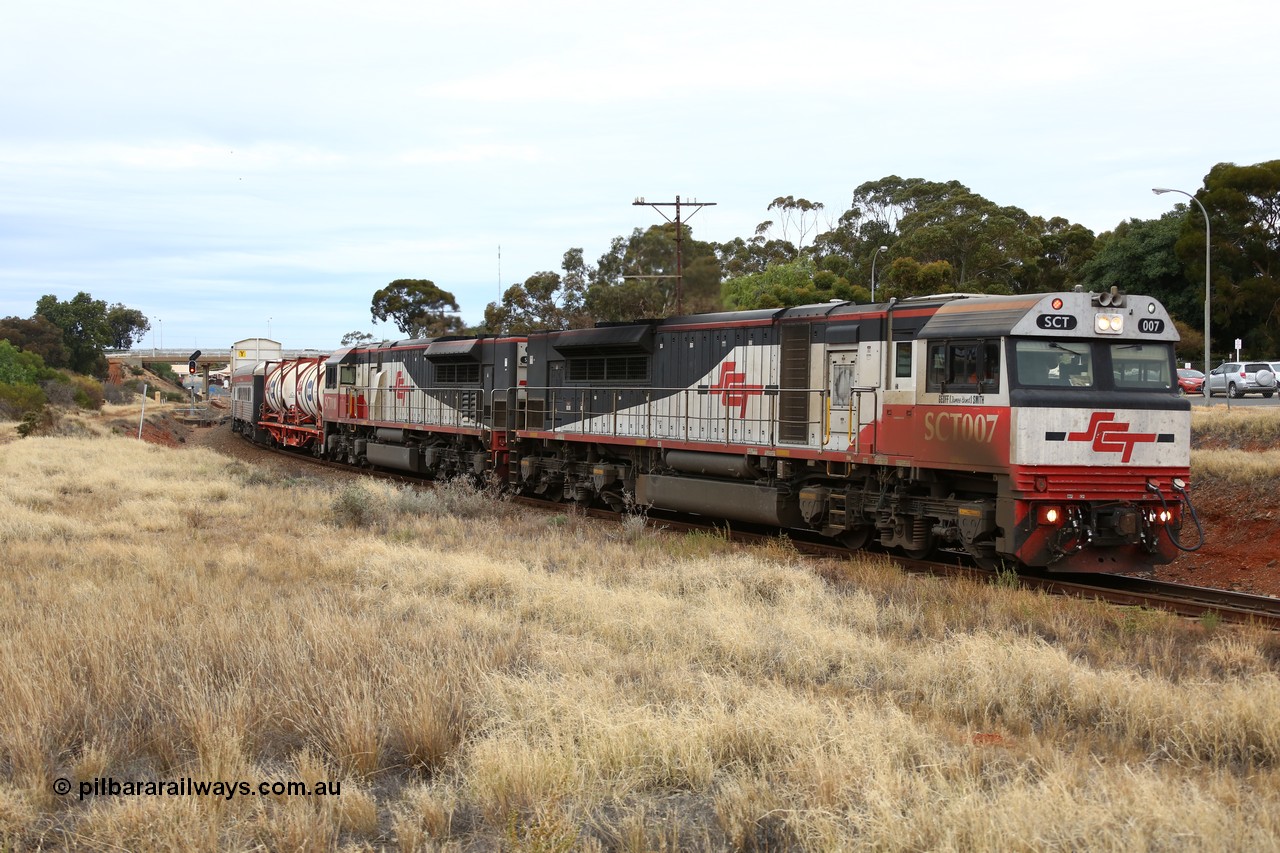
[1044, 431]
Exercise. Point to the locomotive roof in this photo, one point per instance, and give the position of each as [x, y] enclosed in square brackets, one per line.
[985, 316]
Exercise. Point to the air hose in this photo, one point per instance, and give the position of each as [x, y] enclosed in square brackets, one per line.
[1181, 489]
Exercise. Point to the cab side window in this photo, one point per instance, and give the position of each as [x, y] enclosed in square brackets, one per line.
[963, 366]
[990, 366]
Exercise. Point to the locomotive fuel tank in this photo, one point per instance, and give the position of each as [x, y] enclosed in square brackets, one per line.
[734, 501]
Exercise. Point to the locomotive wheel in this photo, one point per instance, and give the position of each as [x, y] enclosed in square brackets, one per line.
[985, 556]
[921, 538]
[919, 553]
[856, 538]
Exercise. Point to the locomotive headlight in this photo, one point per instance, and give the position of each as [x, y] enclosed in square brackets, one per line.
[1108, 324]
[1048, 515]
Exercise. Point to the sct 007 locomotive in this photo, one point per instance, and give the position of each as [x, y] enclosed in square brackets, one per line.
[1044, 430]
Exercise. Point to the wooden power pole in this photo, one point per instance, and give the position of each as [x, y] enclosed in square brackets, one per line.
[677, 204]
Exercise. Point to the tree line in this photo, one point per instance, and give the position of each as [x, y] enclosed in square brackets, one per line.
[75, 333]
[61, 336]
[919, 237]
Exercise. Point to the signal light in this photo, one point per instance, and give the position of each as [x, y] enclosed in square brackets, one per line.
[1057, 303]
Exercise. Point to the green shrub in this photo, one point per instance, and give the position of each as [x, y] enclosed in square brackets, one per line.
[165, 372]
[121, 393]
[59, 392]
[88, 392]
[37, 422]
[17, 400]
[354, 507]
[19, 367]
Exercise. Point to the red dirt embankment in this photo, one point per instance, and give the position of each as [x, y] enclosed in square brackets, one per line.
[1242, 539]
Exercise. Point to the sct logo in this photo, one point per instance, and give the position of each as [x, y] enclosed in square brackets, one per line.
[1105, 434]
[732, 389]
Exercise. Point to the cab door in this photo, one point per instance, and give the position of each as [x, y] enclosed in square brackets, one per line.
[842, 398]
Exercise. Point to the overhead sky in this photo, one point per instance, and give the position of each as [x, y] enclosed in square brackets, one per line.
[248, 168]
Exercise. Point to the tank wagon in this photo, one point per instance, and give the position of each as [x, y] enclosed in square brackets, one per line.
[1043, 430]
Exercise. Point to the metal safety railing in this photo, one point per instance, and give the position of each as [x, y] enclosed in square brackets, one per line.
[444, 406]
[749, 416]
[808, 417]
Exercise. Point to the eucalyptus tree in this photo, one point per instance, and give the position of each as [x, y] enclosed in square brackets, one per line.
[637, 276]
[545, 300]
[1244, 208]
[417, 307]
[1138, 257]
[85, 330]
[37, 335]
[798, 282]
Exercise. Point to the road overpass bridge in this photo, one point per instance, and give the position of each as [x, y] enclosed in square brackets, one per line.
[212, 358]
[217, 362]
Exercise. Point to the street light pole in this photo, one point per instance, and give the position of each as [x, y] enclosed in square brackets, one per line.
[874, 258]
[1205, 213]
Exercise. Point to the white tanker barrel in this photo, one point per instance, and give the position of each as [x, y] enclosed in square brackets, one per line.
[308, 388]
[274, 386]
[294, 384]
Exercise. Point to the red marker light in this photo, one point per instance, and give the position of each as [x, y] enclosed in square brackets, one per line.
[1057, 304]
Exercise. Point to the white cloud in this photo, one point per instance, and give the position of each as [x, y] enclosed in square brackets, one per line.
[471, 153]
[158, 154]
[168, 156]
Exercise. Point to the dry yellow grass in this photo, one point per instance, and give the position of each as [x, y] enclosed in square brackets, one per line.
[481, 677]
[1242, 443]
[1237, 424]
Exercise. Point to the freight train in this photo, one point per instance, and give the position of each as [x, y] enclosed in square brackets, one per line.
[1041, 431]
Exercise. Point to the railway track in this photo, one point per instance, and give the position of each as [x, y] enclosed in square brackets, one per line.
[1187, 601]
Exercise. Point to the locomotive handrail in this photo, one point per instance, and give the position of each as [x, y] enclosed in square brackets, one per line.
[852, 417]
[452, 406]
[826, 428]
[662, 412]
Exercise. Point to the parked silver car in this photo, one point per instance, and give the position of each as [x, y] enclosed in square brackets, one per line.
[1237, 378]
